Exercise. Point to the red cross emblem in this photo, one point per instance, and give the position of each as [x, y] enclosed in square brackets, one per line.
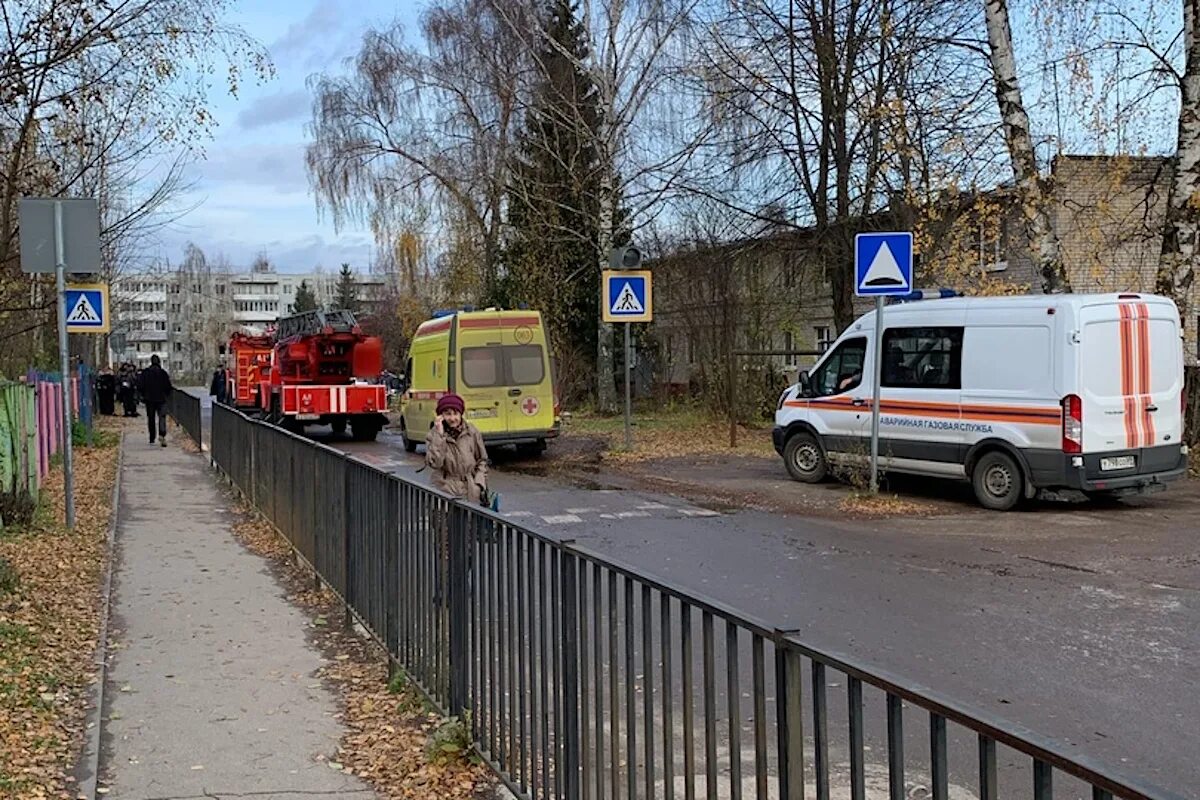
[531, 406]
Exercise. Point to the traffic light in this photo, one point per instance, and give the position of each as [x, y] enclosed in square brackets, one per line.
[626, 257]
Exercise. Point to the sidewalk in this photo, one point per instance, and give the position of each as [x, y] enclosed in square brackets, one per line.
[210, 689]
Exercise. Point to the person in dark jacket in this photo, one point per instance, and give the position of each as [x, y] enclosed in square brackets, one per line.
[127, 390]
[155, 386]
[219, 388]
[106, 390]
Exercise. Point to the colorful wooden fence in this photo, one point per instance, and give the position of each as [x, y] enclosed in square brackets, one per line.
[20, 443]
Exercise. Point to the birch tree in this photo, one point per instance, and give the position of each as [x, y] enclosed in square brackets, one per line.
[1177, 267]
[1033, 196]
[430, 123]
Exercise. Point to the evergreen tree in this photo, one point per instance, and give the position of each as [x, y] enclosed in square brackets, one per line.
[306, 299]
[347, 290]
[550, 252]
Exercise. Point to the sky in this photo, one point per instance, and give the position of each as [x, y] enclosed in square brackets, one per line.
[250, 193]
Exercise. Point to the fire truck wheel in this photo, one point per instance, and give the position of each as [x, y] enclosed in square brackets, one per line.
[364, 431]
[339, 427]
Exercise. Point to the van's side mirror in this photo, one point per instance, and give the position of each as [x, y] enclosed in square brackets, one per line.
[805, 384]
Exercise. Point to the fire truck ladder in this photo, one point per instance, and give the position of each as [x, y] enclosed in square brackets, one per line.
[313, 323]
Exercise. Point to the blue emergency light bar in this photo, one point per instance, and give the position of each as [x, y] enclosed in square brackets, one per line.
[924, 294]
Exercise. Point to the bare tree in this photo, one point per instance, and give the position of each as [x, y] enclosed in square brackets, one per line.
[1015, 120]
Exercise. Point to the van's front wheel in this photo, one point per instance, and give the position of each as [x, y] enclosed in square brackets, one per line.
[804, 458]
[997, 481]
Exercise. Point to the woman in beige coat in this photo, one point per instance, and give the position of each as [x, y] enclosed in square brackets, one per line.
[455, 453]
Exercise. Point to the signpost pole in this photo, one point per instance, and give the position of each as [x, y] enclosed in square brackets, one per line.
[628, 394]
[877, 369]
[64, 359]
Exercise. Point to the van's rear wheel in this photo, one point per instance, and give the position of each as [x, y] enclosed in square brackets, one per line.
[997, 481]
[409, 445]
[804, 458]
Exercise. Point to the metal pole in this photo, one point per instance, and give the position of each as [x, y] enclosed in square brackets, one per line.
[877, 369]
[628, 394]
[65, 365]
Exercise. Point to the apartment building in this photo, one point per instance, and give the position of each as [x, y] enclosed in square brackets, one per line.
[183, 316]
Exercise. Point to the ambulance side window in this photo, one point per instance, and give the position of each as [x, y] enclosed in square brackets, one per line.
[841, 371]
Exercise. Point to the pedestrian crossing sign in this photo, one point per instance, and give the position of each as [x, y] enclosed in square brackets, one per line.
[628, 296]
[87, 308]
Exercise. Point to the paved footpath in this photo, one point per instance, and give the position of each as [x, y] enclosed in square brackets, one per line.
[211, 689]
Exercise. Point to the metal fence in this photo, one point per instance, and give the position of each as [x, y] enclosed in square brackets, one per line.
[184, 408]
[583, 677]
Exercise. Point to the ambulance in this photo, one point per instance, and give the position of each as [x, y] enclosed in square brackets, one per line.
[497, 361]
[1060, 395]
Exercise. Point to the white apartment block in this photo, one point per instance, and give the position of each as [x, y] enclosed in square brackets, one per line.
[183, 318]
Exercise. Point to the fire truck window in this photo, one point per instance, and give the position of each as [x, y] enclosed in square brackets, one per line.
[526, 366]
[481, 367]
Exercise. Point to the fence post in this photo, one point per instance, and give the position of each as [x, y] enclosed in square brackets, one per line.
[569, 592]
[347, 562]
[391, 575]
[459, 635]
[789, 680]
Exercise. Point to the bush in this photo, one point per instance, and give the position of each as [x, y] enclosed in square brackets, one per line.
[17, 508]
[9, 580]
[450, 742]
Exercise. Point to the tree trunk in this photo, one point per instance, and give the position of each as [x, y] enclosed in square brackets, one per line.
[1042, 238]
[606, 385]
[1177, 265]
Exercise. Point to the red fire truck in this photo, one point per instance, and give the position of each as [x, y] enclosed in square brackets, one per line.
[249, 365]
[322, 365]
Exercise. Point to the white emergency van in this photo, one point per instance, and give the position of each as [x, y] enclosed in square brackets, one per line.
[1018, 395]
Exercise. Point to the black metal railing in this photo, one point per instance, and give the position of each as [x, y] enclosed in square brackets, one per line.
[184, 408]
[586, 678]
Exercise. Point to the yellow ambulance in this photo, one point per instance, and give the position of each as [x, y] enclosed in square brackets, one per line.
[497, 361]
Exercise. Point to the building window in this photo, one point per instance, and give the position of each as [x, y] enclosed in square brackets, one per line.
[174, 308]
[199, 308]
[160, 326]
[691, 348]
[824, 339]
[287, 288]
[179, 347]
[992, 248]
[789, 344]
[177, 328]
[220, 288]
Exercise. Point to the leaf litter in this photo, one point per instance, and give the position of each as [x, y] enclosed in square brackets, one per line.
[49, 626]
[392, 735]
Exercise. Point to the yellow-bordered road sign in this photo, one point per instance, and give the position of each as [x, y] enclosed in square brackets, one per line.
[627, 296]
[87, 308]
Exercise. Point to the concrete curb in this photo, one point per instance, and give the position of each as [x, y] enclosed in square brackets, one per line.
[87, 769]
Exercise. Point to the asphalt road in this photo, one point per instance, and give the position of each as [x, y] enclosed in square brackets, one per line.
[1080, 624]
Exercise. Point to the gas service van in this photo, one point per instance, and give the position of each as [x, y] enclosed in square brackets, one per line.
[1059, 394]
[497, 361]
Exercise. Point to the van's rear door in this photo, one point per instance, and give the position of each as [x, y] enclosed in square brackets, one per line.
[1131, 375]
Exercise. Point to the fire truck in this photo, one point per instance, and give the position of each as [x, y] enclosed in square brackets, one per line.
[249, 365]
[322, 365]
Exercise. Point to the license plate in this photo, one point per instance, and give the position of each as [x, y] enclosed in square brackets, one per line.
[1118, 462]
[308, 416]
[479, 413]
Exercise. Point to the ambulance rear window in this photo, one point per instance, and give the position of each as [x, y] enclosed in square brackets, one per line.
[511, 365]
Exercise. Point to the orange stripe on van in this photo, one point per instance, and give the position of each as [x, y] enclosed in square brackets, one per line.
[1024, 415]
[1126, 332]
[1144, 373]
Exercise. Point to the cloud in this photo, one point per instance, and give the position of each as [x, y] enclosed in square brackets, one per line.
[273, 109]
[322, 22]
[278, 166]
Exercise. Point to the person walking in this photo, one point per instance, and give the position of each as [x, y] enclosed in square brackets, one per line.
[155, 386]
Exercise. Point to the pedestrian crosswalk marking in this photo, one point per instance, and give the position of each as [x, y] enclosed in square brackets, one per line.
[83, 312]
